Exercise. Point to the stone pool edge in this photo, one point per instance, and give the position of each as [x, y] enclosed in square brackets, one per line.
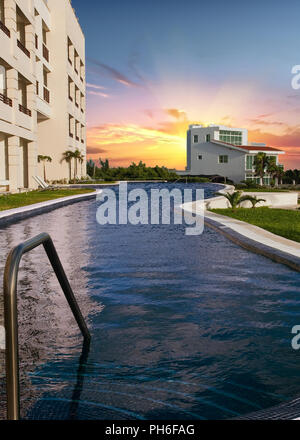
[11, 216]
[250, 237]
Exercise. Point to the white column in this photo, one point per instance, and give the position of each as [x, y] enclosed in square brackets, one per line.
[14, 164]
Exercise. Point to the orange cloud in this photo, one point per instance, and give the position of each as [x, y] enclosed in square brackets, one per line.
[130, 142]
[176, 113]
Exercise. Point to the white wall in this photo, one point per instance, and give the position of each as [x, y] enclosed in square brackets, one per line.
[209, 165]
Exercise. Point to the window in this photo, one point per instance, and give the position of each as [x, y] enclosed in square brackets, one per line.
[249, 162]
[223, 159]
[199, 157]
[71, 126]
[77, 130]
[196, 139]
[2, 11]
[208, 138]
[76, 96]
[76, 61]
[82, 102]
[70, 89]
[81, 71]
[231, 137]
[70, 48]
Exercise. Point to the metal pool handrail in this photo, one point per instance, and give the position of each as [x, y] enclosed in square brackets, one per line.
[11, 313]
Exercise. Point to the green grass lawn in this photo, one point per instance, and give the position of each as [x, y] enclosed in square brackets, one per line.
[285, 223]
[17, 200]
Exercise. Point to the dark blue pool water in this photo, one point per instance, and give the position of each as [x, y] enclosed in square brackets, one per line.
[182, 327]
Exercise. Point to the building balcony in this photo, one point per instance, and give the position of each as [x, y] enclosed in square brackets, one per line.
[24, 110]
[4, 29]
[46, 95]
[5, 100]
[46, 53]
[23, 48]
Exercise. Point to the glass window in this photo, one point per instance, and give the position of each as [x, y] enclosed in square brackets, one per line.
[208, 138]
[249, 162]
[223, 159]
[199, 157]
[196, 139]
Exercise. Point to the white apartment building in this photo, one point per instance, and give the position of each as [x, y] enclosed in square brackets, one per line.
[42, 91]
[223, 151]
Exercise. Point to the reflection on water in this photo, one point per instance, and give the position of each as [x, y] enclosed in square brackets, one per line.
[182, 327]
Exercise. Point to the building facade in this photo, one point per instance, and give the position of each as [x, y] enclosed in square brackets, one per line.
[42, 91]
[224, 151]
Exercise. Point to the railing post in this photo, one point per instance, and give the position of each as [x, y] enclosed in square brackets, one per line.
[11, 313]
[11, 336]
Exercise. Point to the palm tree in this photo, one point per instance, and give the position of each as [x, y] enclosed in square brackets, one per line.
[261, 162]
[44, 159]
[67, 157]
[77, 156]
[254, 201]
[81, 160]
[236, 198]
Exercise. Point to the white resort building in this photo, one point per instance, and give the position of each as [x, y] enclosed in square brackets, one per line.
[218, 150]
[42, 91]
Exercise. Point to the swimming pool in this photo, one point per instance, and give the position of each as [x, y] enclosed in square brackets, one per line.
[182, 327]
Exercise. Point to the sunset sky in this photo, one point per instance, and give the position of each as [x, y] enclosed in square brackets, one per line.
[154, 67]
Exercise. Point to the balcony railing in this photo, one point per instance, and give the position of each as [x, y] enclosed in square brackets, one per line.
[23, 48]
[24, 110]
[5, 100]
[4, 29]
[45, 53]
[46, 95]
